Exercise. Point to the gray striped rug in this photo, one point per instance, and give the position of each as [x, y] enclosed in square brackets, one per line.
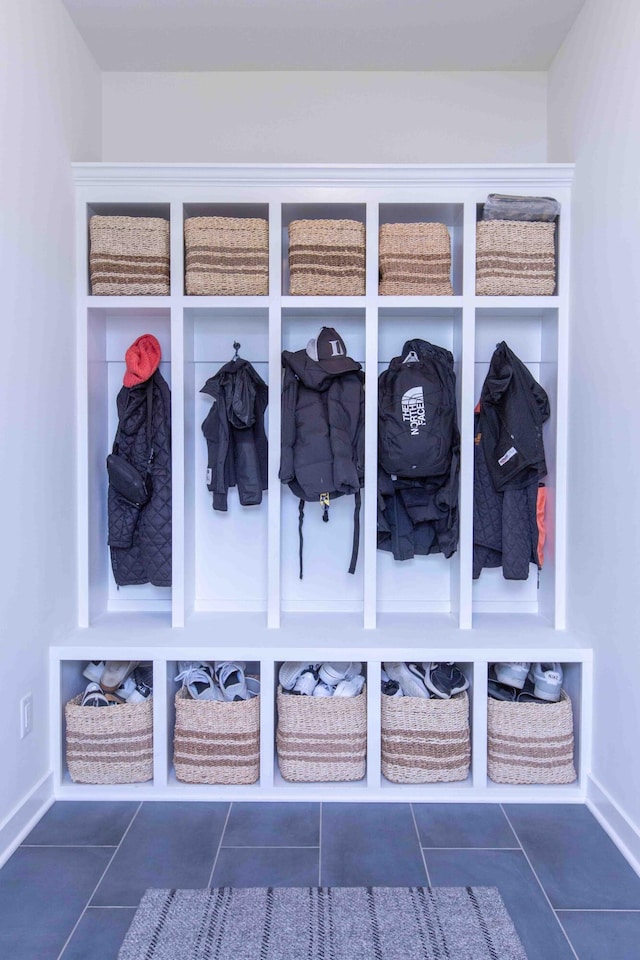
[323, 923]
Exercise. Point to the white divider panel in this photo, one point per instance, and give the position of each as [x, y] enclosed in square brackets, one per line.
[368, 518]
[479, 724]
[177, 421]
[274, 534]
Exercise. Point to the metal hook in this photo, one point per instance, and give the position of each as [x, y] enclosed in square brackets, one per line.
[236, 347]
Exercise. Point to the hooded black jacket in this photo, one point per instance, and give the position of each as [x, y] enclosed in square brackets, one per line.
[508, 467]
[235, 434]
[322, 428]
[140, 537]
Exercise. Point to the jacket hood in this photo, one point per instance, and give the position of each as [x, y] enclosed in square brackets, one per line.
[312, 374]
[506, 369]
[423, 350]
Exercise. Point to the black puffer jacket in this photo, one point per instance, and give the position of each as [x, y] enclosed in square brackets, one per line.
[140, 537]
[235, 435]
[322, 428]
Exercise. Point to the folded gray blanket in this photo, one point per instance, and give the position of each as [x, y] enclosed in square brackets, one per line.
[502, 207]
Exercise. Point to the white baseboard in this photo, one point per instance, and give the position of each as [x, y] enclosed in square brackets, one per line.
[614, 821]
[23, 818]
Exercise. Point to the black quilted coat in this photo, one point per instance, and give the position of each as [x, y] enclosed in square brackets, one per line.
[140, 537]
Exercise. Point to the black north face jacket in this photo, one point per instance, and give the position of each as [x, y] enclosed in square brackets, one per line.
[418, 453]
[140, 537]
[235, 434]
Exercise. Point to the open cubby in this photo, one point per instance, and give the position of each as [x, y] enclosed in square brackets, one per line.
[451, 214]
[161, 210]
[314, 211]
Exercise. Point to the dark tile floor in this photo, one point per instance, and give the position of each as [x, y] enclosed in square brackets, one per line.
[70, 891]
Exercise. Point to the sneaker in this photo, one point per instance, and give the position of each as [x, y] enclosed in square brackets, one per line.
[94, 670]
[444, 679]
[547, 680]
[197, 677]
[498, 691]
[306, 684]
[253, 687]
[93, 696]
[323, 689]
[349, 688]
[133, 690]
[230, 677]
[512, 674]
[115, 673]
[290, 671]
[333, 673]
[144, 673]
[410, 678]
[391, 688]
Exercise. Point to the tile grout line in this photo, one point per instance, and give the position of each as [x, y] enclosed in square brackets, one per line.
[544, 892]
[597, 910]
[69, 846]
[224, 830]
[320, 848]
[270, 846]
[102, 876]
[424, 859]
[472, 848]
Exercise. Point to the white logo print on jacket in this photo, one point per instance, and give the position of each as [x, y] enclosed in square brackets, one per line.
[413, 411]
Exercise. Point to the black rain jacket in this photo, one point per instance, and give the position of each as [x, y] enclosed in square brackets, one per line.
[235, 434]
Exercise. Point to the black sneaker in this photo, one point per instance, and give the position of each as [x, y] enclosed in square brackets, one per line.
[444, 679]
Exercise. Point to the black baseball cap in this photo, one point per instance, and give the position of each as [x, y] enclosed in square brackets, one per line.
[330, 352]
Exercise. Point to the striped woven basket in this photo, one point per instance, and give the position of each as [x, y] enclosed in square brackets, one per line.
[216, 742]
[109, 744]
[425, 741]
[415, 260]
[531, 742]
[129, 256]
[514, 258]
[322, 739]
[326, 258]
[227, 256]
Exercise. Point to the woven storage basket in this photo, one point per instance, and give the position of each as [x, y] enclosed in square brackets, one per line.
[129, 256]
[216, 742]
[425, 741]
[531, 742]
[109, 744]
[415, 260]
[322, 738]
[326, 258]
[227, 256]
[514, 258]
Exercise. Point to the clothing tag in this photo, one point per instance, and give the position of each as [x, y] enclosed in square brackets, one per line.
[511, 452]
[325, 500]
[209, 474]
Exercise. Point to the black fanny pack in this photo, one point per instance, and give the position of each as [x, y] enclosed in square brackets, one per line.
[127, 480]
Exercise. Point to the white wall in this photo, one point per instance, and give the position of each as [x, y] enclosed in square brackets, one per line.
[323, 117]
[594, 105]
[49, 114]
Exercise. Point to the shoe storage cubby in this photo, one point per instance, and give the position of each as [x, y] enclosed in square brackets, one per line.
[236, 592]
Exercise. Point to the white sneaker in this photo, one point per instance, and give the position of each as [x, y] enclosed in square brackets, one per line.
[333, 673]
[349, 688]
[94, 670]
[409, 677]
[197, 677]
[322, 689]
[115, 673]
[289, 672]
[306, 684]
[230, 677]
[253, 687]
[547, 680]
[133, 690]
[512, 674]
[93, 696]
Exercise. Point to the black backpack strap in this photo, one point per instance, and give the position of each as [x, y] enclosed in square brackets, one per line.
[300, 521]
[356, 532]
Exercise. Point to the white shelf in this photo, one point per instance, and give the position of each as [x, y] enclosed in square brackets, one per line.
[236, 593]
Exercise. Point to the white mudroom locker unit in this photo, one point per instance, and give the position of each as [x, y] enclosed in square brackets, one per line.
[236, 593]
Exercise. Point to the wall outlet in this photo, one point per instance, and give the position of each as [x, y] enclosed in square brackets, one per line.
[26, 715]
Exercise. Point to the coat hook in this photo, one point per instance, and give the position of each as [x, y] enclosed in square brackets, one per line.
[236, 347]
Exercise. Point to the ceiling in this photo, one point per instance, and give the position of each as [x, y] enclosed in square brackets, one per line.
[168, 35]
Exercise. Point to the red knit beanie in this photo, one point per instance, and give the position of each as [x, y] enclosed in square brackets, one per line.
[142, 359]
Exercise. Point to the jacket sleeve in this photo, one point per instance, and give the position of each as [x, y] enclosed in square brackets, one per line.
[215, 428]
[344, 405]
[288, 436]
